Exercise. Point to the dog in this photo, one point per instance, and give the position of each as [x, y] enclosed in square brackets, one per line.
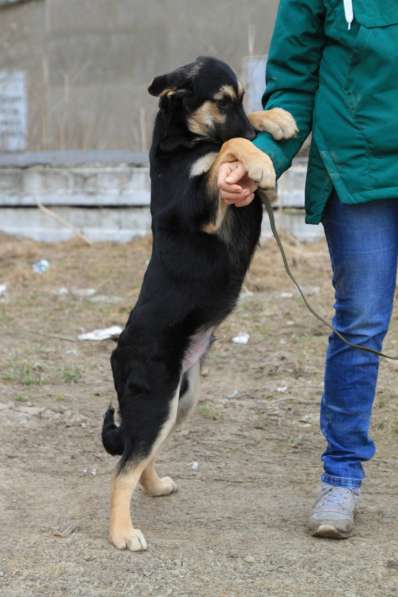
[201, 251]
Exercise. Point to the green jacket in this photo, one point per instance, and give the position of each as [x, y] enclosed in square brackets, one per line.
[342, 84]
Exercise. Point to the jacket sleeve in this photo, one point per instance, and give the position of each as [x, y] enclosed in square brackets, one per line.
[292, 73]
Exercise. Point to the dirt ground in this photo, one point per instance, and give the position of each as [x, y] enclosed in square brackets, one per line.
[236, 527]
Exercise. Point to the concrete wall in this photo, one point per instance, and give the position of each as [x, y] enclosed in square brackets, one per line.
[87, 63]
[106, 183]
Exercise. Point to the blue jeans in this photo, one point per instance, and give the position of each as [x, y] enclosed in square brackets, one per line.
[363, 247]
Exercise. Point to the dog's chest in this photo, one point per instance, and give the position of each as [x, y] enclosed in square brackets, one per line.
[198, 346]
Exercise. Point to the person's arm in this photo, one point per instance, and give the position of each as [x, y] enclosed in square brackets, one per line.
[292, 74]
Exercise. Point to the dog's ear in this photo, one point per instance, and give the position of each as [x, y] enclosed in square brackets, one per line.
[159, 86]
[179, 79]
[175, 133]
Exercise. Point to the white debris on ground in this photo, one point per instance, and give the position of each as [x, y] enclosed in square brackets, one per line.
[233, 394]
[103, 334]
[241, 338]
[106, 299]
[72, 351]
[87, 293]
[3, 291]
[28, 413]
[195, 467]
[61, 291]
[83, 292]
[41, 266]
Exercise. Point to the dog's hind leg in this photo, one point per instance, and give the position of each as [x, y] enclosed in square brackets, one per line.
[122, 533]
[189, 392]
[154, 485]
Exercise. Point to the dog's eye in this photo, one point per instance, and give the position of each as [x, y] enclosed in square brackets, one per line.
[224, 102]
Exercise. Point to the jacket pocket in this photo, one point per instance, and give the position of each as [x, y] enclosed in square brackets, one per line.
[371, 89]
[375, 13]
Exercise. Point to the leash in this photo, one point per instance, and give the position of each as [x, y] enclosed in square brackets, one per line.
[271, 217]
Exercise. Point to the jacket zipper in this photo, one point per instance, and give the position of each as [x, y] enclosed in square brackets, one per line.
[348, 12]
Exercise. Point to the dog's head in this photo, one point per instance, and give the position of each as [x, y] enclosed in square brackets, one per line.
[201, 101]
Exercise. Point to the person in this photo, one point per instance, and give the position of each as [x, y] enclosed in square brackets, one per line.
[334, 65]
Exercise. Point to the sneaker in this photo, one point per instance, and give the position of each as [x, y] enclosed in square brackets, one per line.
[333, 512]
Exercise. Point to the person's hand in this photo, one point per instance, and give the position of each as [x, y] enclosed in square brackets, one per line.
[236, 188]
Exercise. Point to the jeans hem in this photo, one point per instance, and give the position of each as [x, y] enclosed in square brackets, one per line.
[341, 481]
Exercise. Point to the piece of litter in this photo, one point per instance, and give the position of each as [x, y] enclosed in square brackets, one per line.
[65, 530]
[62, 291]
[309, 419]
[241, 338]
[282, 389]
[83, 292]
[41, 266]
[233, 395]
[72, 351]
[88, 471]
[249, 560]
[103, 298]
[3, 290]
[286, 295]
[110, 333]
[195, 467]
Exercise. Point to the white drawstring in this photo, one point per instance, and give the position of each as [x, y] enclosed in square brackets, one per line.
[349, 12]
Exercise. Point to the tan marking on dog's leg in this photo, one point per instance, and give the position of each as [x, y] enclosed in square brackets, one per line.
[259, 168]
[258, 164]
[214, 226]
[277, 121]
[122, 534]
[154, 485]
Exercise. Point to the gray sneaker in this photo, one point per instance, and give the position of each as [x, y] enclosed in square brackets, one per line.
[333, 512]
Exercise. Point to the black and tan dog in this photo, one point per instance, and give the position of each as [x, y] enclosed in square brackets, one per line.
[201, 252]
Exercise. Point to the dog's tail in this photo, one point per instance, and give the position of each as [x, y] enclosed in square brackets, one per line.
[112, 438]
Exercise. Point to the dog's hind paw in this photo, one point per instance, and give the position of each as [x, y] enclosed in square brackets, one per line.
[132, 539]
[163, 486]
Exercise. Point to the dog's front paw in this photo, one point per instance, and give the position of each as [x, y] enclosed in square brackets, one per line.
[131, 539]
[261, 169]
[277, 121]
[163, 486]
